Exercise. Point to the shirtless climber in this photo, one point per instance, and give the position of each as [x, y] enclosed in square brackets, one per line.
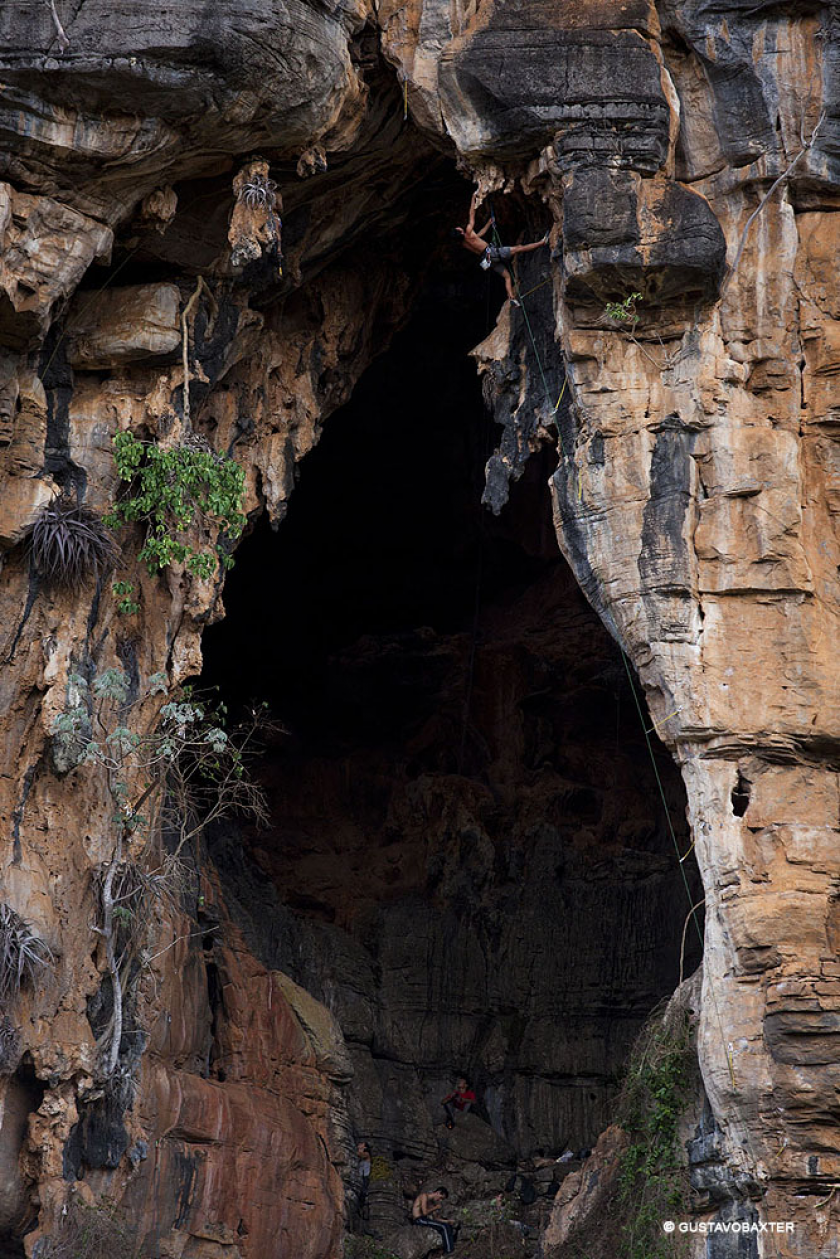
[424, 1211]
[495, 256]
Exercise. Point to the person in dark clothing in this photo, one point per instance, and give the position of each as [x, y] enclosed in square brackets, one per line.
[527, 1189]
[460, 1100]
[424, 1211]
[365, 1159]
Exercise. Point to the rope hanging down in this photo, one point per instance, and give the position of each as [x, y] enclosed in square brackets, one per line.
[680, 857]
[692, 913]
[520, 299]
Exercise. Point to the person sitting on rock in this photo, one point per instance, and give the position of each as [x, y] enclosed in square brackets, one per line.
[424, 1210]
[460, 1100]
[495, 256]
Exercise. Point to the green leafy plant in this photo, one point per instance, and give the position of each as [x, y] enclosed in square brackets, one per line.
[168, 777]
[71, 544]
[653, 1180]
[23, 955]
[625, 310]
[170, 491]
[489, 1224]
[123, 591]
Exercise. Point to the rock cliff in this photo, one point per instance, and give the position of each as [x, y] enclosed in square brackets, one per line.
[212, 223]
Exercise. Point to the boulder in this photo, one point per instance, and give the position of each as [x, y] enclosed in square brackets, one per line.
[413, 1242]
[123, 325]
[585, 1193]
[474, 1141]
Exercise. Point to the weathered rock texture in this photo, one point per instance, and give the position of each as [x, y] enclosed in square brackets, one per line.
[455, 811]
[696, 495]
[694, 504]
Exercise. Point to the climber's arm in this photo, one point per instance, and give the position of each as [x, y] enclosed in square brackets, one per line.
[474, 204]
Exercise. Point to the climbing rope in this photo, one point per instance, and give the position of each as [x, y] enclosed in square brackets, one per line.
[520, 298]
[528, 292]
[479, 574]
[692, 914]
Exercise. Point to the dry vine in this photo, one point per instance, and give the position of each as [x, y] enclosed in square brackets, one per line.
[783, 178]
[192, 773]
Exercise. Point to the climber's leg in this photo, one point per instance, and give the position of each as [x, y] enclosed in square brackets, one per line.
[526, 249]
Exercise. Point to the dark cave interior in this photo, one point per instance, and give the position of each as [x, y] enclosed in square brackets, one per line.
[394, 537]
[468, 858]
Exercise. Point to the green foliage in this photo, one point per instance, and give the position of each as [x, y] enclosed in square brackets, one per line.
[113, 684]
[625, 310]
[381, 1169]
[653, 1180]
[169, 491]
[188, 747]
[123, 591]
[167, 774]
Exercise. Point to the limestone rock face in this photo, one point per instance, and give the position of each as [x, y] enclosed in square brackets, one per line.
[121, 325]
[584, 1194]
[143, 89]
[47, 246]
[682, 349]
[276, 1108]
[692, 503]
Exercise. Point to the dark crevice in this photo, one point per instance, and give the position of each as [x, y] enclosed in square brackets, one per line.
[464, 793]
[741, 795]
[215, 1001]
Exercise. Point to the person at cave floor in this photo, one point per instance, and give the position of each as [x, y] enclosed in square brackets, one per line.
[460, 1099]
[424, 1211]
[494, 256]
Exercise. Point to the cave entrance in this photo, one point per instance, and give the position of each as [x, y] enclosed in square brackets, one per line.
[468, 860]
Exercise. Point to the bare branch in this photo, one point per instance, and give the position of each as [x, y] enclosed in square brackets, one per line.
[61, 34]
[785, 175]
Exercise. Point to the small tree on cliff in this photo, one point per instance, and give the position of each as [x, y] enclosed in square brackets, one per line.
[165, 781]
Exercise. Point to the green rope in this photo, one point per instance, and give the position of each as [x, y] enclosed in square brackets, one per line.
[541, 284]
[681, 862]
[693, 909]
[671, 829]
[519, 297]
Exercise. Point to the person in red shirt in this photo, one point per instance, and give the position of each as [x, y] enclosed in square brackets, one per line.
[460, 1100]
